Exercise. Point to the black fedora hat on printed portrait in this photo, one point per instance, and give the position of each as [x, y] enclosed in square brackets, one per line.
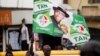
[62, 10]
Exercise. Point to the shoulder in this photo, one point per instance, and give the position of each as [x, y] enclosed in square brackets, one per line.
[26, 27]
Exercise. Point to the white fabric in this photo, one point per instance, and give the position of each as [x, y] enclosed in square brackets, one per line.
[25, 34]
[67, 36]
[66, 21]
[13, 41]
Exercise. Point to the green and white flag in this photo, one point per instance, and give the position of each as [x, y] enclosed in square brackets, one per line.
[79, 30]
[42, 22]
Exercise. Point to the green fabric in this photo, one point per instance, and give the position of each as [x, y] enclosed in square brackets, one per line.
[79, 30]
[42, 22]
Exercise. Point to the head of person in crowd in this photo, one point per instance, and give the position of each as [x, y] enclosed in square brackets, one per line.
[91, 48]
[59, 14]
[28, 53]
[23, 21]
[9, 53]
[46, 50]
[59, 47]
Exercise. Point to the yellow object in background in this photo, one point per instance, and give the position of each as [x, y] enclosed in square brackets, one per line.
[53, 53]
